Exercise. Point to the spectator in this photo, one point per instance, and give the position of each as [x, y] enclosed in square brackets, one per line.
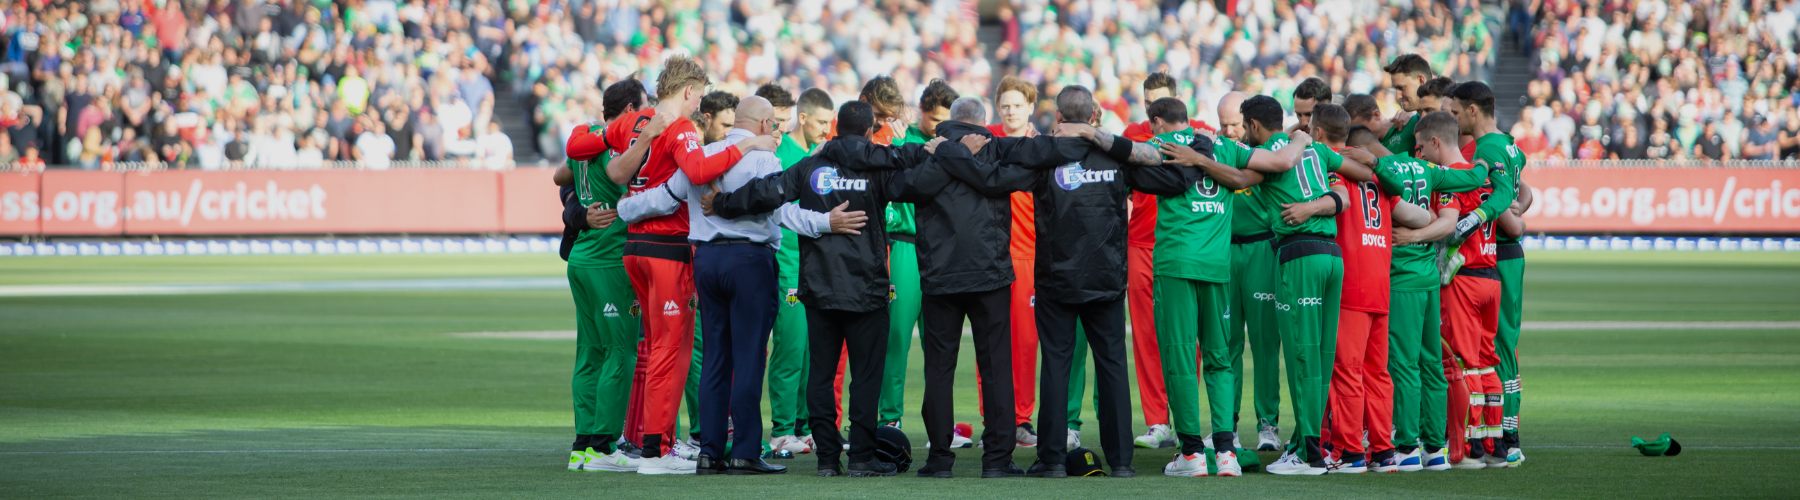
[1710, 145]
[1662, 144]
[31, 162]
[374, 149]
[496, 148]
[353, 91]
[1628, 146]
[1759, 140]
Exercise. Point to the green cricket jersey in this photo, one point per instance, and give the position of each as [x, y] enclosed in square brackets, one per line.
[1303, 183]
[1400, 140]
[1250, 214]
[788, 257]
[1496, 152]
[1193, 235]
[1415, 266]
[598, 248]
[900, 215]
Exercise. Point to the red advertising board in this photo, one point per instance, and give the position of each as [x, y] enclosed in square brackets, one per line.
[309, 202]
[81, 203]
[1673, 200]
[528, 201]
[20, 206]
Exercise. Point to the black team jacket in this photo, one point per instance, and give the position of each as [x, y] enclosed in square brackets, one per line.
[841, 271]
[964, 231]
[1082, 217]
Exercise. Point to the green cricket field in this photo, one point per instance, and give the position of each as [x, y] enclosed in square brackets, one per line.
[279, 377]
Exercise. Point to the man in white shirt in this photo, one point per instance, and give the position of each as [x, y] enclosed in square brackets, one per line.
[374, 149]
[496, 148]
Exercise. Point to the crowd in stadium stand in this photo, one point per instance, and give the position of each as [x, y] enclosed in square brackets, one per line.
[224, 84]
[1660, 80]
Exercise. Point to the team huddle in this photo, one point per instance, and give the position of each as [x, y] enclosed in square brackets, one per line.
[1375, 259]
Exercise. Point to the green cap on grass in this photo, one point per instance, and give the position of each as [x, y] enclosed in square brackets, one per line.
[1663, 446]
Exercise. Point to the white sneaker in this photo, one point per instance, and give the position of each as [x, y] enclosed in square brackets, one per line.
[666, 464]
[1494, 461]
[1235, 444]
[1074, 440]
[1228, 464]
[577, 459]
[791, 444]
[618, 461]
[687, 450]
[1411, 462]
[1514, 457]
[1291, 465]
[809, 441]
[1025, 436]
[1341, 467]
[958, 440]
[1186, 466]
[1159, 436]
[1468, 463]
[1436, 461]
[1268, 438]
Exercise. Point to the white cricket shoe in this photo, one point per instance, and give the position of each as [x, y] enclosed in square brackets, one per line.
[1436, 461]
[1342, 467]
[618, 461]
[666, 464]
[1186, 466]
[1159, 436]
[1291, 465]
[1514, 457]
[577, 459]
[790, 443]
[1228, 464]
[1494, 461]
[1074, 440]
[809, 441]
[1025, 436]
[687, 450]
[1469, 463]
[1410, 462]
[1268, 438]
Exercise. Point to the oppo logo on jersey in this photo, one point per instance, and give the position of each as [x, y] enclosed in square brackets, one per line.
[1263, 296]
[1375, 240]
[825, 180]
[1071, 177]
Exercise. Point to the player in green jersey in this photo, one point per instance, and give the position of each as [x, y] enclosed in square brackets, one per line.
[1251, 292]
[788, 344]
[1191, 259]
[1472, 103]
[1416, 94]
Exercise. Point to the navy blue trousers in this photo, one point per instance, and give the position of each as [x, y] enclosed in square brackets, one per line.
[738, 298]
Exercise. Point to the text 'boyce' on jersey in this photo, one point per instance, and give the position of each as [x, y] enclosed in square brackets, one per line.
[1072, 176]
[825, 180]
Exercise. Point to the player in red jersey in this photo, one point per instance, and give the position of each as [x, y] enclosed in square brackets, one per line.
[1015, 100]
[1471, 303]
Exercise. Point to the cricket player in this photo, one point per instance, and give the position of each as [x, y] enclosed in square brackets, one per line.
[1192, 277]
[1473, 105]
[1251, 293]
[882, 93]
[788, 357]
[1409, 73]
[658, 257]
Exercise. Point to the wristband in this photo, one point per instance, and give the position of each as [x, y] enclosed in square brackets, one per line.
[1339, 200]
[1121, 148]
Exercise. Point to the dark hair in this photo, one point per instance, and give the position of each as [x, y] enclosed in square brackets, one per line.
[813, 100]
[1361, 106]
[855, 118]
[1263, 110]
[1359, 136]
[1439, 124]
[1436, 87]
[1076, 104]
[883, 94]
[1160, 80]
[938, 94]
[715, 102]
[1313, 88]
[619, 95]
[1476, 93]
[1408, 64]
[1168, 109]
[1331, 121]
[777, 96]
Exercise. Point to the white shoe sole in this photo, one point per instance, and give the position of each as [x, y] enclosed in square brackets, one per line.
[658, 471]
[1438, 468]
[1239, 471]
[1469, 466]
[1411, 468]
[611, 468]
[1307, 471]
[1196, 473]
[1350, 470]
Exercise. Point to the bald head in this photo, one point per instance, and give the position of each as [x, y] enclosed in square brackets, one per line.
[753, 110]
[1231, 116]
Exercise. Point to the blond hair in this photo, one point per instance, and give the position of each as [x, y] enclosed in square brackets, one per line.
[678, 73]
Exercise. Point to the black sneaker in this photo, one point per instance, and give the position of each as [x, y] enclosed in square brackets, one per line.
[630, 450]
[829, 472]
[928, 471]
[1124, 471]
[1009, 470]
[873, 468]
[1041, 469]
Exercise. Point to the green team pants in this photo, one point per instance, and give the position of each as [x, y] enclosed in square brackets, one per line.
[1312, 281]
[1252, 294]
[692, 393]
[1078, 378]
[1506, 342]
[787, 363]
[903, 311]
[606, 337]
[1192, 314]
[1415, 360]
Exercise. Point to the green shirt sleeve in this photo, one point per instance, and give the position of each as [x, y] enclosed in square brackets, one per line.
[1501, 165]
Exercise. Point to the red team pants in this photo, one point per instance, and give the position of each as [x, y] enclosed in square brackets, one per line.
[1141, 276]
[664, 288]
[1471, 319]
[1362, 394]
[1457, 408]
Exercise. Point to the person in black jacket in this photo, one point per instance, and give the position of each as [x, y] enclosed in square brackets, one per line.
[965, 271]
[1081, 225]
[844, 277]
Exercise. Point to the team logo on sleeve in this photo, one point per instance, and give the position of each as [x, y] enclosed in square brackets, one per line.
[1072, 176]
[635, 310]
[892, 294]
[1445, 198]
[793, 297]
[825, 180]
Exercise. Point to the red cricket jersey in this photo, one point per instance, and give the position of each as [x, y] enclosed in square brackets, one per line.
[1478, 251]
[1024, 216]
[677, 148]
[1364, 230]
[1468, 150]
[1140, 230]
